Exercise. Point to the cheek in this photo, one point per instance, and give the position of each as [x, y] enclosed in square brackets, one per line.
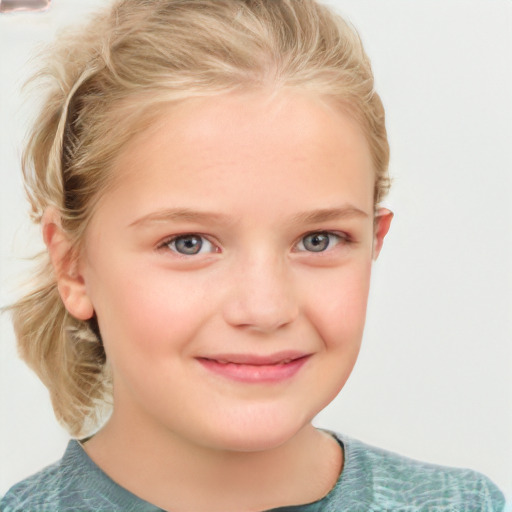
[337, 306]
[149, 310]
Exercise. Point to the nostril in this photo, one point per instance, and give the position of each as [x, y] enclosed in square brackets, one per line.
[259, 317]
[261, 296]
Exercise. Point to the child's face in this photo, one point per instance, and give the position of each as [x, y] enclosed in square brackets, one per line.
[229, 268]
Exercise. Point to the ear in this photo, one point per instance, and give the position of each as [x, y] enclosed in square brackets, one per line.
[70, 283]
[382, 223]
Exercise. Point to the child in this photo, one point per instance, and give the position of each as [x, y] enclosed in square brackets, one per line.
[208, 176]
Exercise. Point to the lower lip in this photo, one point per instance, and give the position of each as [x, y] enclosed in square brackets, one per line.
[255, 373]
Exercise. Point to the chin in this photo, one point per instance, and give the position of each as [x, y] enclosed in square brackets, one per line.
[261, 434]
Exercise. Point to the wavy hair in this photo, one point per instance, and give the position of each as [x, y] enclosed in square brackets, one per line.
[108, 81]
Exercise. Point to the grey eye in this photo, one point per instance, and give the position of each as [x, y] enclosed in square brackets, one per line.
[187, 244]
[316, 242]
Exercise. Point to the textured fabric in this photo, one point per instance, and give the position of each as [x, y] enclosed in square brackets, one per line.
[372, 480]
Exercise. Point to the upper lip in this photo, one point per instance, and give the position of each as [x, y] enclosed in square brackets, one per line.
[258, 359]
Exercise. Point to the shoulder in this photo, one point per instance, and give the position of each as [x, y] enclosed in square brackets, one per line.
[75, 484]
[389, 481]
[36, 492]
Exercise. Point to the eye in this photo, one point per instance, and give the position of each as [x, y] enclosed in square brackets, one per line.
[319, 241]
[189, 245]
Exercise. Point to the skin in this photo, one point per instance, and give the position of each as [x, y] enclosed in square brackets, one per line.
[253, 174]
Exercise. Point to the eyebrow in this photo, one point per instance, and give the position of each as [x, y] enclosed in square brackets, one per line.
[326, 214]
[189, 215]
[177, 214]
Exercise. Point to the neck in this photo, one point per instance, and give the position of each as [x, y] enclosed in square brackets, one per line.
[168, 471]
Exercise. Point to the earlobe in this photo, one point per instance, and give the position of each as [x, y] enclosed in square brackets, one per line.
[70, 283]
[383, 220]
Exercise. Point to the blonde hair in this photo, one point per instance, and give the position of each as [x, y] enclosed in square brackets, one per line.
[107, 82]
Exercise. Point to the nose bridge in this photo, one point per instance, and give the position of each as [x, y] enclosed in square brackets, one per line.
[262, 297]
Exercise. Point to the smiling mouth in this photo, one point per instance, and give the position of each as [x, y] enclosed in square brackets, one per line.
[254, 368]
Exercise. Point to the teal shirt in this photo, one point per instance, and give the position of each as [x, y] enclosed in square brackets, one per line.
[372, 480]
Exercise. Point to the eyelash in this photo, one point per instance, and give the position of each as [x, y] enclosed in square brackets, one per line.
[341, 238]
[166, 244]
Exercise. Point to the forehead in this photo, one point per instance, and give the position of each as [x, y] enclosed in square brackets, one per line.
[240, 144]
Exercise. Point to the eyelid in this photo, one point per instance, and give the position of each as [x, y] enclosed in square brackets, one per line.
[343, 238]
[164, 245]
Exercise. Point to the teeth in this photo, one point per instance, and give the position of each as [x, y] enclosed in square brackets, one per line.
[286, 361]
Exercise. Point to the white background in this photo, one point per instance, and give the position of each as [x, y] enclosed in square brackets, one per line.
[434, 379]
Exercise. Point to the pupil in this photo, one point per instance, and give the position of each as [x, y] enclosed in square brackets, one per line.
[317, 242]
[188, 244]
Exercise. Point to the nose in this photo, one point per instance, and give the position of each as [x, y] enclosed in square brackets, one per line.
[261, 297]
